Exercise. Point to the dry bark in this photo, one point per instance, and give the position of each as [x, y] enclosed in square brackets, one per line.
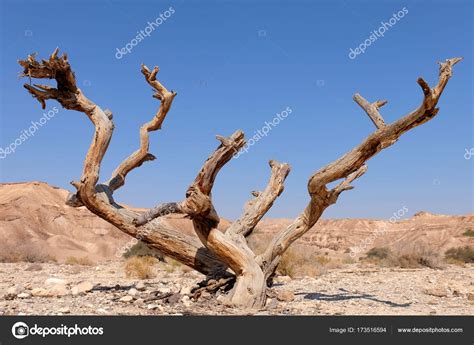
[225, 256]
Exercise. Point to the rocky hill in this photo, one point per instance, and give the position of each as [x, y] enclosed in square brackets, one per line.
[33, 216]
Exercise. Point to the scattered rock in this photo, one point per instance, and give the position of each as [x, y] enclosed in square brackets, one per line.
[165, 290]
[126, 299]
[174, 298]
[285, 296]
[271, 303]
[64, 310]
[82, 288]
[133, 292]
[437, 291]
[154, 306]
[59, 290]
[140, 286]
[34, 267]
[186, 301]
[40, 292]
[9, 296]
[186, 290]
[24, 295]
[54, 281]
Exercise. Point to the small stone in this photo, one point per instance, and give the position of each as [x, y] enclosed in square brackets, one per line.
[9, 297]
[40, 292]
[82, 288]
[54, 281]
[272, 303]
[139, 301]
[126, 299]
[437, 292]
[133, 292]
[205, 295]
[470, 296]
[34, 267]
[285, 296]
[64, 310]
[59, 290]
[174, 298]
[23, 295]
[164, 290]
[186, 301]
[140, 286]
[186, 290]
[101, 311]
[152, 306]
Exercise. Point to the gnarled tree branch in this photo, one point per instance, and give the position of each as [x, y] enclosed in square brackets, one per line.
[98, 197]
[218, 251]
[142, 155]
[352, 165]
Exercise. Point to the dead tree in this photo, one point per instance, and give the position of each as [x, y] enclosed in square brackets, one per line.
[224, 256]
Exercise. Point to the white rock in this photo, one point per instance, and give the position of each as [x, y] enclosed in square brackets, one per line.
[140, 286]
[82, 288]
[132, 292]
[101, 311]
[59, 290]
[55, 281]
[126, 299]
[165, 290]
[186, 301]
[23, 295]
[186, 290]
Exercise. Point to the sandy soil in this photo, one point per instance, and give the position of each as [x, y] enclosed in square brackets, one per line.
[52, 289]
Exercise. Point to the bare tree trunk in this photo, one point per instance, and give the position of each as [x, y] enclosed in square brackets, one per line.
[219, 254]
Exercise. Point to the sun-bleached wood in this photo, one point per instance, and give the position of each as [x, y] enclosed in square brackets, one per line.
[223, 256]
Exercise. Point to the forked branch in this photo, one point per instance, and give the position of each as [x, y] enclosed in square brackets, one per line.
[352, 165]
[142, 155]
[219, 251]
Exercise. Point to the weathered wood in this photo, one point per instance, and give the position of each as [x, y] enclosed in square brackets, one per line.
[225, 256]
[351, 166]
[372, 109]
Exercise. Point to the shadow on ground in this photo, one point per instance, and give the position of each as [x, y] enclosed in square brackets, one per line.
[346, 295]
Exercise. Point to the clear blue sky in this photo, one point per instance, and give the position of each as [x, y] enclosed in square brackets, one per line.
[236, 65]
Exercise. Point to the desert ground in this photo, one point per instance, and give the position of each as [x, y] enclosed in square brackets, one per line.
[58, 289]
[55, 259]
